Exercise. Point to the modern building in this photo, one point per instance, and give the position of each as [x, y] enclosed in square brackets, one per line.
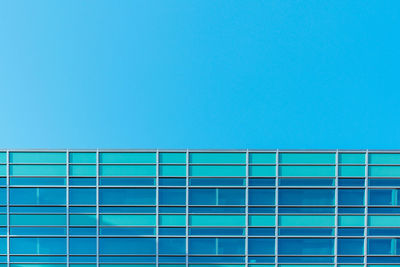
[197, 208]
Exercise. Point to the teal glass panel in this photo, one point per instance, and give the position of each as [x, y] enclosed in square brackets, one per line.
[307, 158]
[128, 220]
[172, 220]
[38, 170]
[128, 265]
[3, 219]
[38, 157]
[82, 219]
[384, 158]
[259, 170]
[384, 220]
[82, 170]
[38, 219]
[355, 265]
[352, 171]
[306, 220]
[351, 158]
[233, 158]
[384, 171]
[217, 220]
[262, 158]
[302, 265]
[82, 157]
[351, 220]
[3, 170]
[3, 157]
[165, 157]
[313, 171]
[261, 220]
[127, 170]
[108, 157]
[218, 265]
[172, 170]
[212, 170]
[43, 265]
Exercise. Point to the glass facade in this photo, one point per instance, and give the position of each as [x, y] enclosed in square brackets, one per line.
[197, 208]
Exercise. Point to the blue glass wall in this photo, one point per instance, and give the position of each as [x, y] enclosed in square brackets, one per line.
[199, 208]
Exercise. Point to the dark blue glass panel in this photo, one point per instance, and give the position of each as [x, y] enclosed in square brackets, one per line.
[40, 259]
[82, 209]
[127, 231]
[82, 231]
[305, 246]
[371, 259]
[216, 231]
[37, 209]
[350, 231]
[306, 182]
[351, 182]
[3, 231]
[127, 209]
[253, 259]
[127, 181]
[36, 231]
[383, 182]
[38, 245]
[381, 246]
[380, 197]
[171, 259]
[261, 196]
[172, 181]
[384, 231]
[215, 246]
[383, 210]
[82, 181]
[82, 259]
[227, 196]
[172, 209]
[37, 196]
[351, 197]
[306, 196]
[127, 259]
[82, 246]
[127, 245]
[261, 246]
[82, 196]
[127, 196]
[262, 182]
[306, 210]
[202, 246]
[261, 210]
[172, 196]
[306, 231]
[172, 231]
[3, 196]
[37, 181]
[350, 246]
[216, 210]
[261, 231]
[172, 246]
[202, 196]
[217, 182]
[351, 210]
[350, 259]
[194, 259]
[305, 259]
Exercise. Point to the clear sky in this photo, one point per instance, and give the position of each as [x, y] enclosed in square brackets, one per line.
[200, 74]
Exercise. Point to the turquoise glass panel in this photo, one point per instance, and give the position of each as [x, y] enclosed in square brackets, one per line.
[3, 219]
[306, 220]
[172, 170]
[261, 220]
[3, 170]
[307, 158]
[212, 170]
[386, 158]
[3, 157]
[233, 158]
[352, 158]
[38, 219]
[82, 157]
[127, 170]
[172, 220]
[384, 220]
[82, 219]
[38, 157]
[38, 170]
[351, 220]
[262, 158]
[259, 170]
[39, 265]
[127, 220]
[301, 171]
[165, 157]
[108, 157]
[217, 220]
[352, 171]
[384, 171]
[82, 170]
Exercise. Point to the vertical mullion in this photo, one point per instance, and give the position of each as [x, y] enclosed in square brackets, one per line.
[157, 204]
[67, 205]
[97, 208]
[247, 211]
[8, 205]
[276, 205]
[187, 209]
[366, 185]
[336, 206]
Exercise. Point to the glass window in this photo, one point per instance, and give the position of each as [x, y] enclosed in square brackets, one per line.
[128, 170]
[261, 220]
[351, 182]
[127, 220]
[127, 245]
[37, 196]
[306, 182]
[306, 196]
[352, 158]
[352, 171]
[233, 158]
[308, 210]
[264, 246]
[217, 181]
[38, 170]
[350, 231]
[172, 246]
[82, 157]
[351, 197]
[38, 219]
[127, 157]
[217, 220]
[127, 231]
[384, 158]
[351, 220]
[384, 171]
[172, 170]
[261, 231]
[172, 220]
[384, 220]
[3, 196]
[218, 171]
[261, 182]
[166, 157]
[261, 196]
[262, 158]
[216, 231]
[216, 246]
[172, 231]
[127, 196]
[172, 196]
[37, 181]
[383, 182]
[83, 246]
[83, 219]
[306, 220]
[172, 181]
[310, 171]
[216, 196]
[38, 157]
[384, 246]
[305, 246]
[127, 181]
[306, 231]
[38, 245]
[82, 196]
[350, 246]
[304, 158]
[82, 170]
[384, 197]
[261, 170]
[384, 231]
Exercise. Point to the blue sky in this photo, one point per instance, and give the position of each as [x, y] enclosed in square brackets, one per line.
[200, 74]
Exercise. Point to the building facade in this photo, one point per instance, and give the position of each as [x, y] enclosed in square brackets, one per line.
[197, 208]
